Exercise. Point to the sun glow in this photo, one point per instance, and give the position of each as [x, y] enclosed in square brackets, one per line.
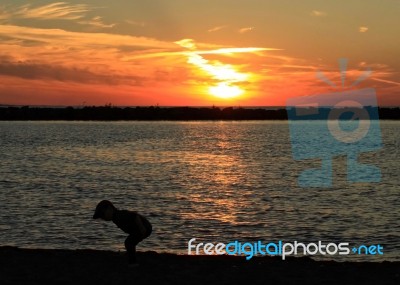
[225, 78]
[225, 91]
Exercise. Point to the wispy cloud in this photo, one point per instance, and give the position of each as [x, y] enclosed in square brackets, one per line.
[34, 71]
[386, 81]
[86, 58]
[54, 11]
[79, 39]
[317, 13]
[135, 23]
[4, 14]
[58, 10]
[96, 22]
[363, 29]
[216, 29]
[245, 30]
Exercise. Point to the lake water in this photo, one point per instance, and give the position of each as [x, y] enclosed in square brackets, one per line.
[214, 181]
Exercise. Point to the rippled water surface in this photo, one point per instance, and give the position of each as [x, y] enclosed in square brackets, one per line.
[215, 181]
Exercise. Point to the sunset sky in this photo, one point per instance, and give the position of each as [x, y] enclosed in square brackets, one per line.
[194, 52]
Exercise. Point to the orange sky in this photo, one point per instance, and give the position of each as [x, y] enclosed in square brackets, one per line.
[196, 53]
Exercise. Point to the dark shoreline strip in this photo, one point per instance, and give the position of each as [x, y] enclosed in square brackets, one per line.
[110, 113]
[40, 266]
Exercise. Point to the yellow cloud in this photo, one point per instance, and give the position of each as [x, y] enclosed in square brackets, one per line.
[317, 13]
[215, 29]
[245, 30]
[225, 79]
[363, 29]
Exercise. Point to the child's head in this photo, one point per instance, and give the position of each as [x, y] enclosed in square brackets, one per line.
[104, 210]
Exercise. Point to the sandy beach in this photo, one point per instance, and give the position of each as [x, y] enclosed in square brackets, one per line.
[37, 266]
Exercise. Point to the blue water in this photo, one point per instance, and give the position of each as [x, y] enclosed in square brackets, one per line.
[214, 181]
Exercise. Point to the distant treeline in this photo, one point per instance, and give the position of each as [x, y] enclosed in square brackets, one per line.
[110, 113]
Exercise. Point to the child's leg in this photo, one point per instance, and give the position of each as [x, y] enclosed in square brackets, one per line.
[130, 245]
[148, 228]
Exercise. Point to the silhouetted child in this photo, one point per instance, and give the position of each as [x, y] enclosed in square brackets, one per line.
[134, 224]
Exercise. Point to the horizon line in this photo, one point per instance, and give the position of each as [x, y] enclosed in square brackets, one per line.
[172, 106]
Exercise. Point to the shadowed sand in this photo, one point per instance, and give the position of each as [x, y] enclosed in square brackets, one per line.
[35, 266]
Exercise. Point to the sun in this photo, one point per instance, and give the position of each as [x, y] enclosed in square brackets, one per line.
[226, 91]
